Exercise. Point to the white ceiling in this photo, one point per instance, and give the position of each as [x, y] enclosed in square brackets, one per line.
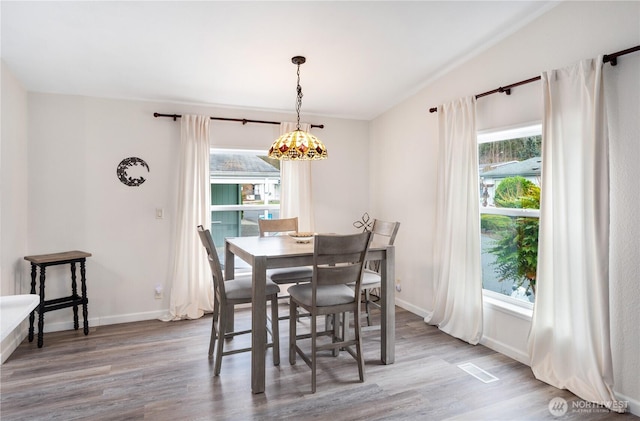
[362, 57]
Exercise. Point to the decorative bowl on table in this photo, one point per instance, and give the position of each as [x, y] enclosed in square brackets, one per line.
[302, 237]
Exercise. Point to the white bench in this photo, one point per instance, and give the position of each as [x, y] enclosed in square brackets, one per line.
[14, 309]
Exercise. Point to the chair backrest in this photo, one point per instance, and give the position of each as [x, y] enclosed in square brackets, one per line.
[214, 261]
[384, 233]
[339, 259]
[277, 226]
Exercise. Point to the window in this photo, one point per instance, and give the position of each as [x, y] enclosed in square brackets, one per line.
[509, 167]
[245, 187]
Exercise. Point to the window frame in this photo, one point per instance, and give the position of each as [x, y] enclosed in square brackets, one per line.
[511, 305]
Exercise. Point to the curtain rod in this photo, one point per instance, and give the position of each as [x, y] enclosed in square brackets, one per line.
[608, 58]
[242, 120]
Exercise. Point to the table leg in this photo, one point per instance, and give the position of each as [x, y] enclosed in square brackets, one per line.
[32, 316]
[41, 309]
[387, 290]
[258, 324]
[74, 295]
[229, 263]
[85, 300]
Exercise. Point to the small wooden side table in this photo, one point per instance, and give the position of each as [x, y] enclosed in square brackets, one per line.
[74, 300]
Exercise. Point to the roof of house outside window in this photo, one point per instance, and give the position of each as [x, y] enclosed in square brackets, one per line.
[241, 166]
[528, 168]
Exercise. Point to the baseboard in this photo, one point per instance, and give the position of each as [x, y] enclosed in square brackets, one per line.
[132, 317]
[108, 320]
[505, 349]
[497, 346]
[411, 308]
[633, 404]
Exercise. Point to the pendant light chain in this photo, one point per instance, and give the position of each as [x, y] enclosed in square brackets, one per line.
[299, 99]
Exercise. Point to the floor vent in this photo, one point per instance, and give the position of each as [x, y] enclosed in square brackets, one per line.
[478, 373]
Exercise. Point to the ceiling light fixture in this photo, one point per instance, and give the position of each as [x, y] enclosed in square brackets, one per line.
[298, 144]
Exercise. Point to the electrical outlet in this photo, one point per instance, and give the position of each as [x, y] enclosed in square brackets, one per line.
[398, 286]
[158, 292]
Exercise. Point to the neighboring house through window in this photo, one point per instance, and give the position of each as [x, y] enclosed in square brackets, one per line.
[245, 187]
[509, 167]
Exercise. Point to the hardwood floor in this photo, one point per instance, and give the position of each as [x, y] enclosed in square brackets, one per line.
[160, 371]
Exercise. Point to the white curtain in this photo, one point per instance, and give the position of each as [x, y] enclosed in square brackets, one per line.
[569, 342]
[457, 303]
[192, 289]
[295, 186]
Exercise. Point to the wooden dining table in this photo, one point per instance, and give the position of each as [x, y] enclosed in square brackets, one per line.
[263, 253]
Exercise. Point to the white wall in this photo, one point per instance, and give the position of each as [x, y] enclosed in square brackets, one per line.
[623, 101]
[405, 147]
[13, 194]
[13, 182]
[77, 202]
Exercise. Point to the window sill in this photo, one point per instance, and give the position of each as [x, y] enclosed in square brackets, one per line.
[521, 311]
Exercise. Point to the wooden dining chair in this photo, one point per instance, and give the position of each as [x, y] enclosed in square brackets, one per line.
[280, 276]
[228, 293]
[277, 226]
[338, 260]
[384, 233]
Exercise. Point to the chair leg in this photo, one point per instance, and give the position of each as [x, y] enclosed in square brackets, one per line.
[229, 322]
[367, 307]
[222, 326]
[313, 352]
[214, 334]
[360, 359]
[336, 330]
[292, 331]
[345, 325]
[275, 331]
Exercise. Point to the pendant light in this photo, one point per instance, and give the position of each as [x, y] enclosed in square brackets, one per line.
[298, 144]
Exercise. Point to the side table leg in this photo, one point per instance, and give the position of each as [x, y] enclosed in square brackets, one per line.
[74, 295]
[41, 309]
[85, 300]
[33, 291]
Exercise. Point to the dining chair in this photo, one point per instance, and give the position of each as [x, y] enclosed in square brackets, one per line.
[228, 293]
[338, 260]
[277, 226]
[293, 275]
[384, 233]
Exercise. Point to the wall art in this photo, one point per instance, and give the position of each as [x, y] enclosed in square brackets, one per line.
[125, 165]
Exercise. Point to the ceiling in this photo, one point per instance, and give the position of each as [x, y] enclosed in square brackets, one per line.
[362, 57]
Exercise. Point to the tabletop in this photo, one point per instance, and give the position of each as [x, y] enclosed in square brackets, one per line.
[280, 246]
[57, 257]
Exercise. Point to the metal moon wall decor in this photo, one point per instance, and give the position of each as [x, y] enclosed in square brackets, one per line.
[126, 164]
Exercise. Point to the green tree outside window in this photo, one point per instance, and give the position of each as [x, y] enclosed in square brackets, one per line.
[516, 246]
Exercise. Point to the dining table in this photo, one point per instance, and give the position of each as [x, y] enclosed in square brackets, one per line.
[282, 251]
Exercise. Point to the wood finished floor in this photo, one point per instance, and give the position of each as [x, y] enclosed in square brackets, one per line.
[155, 370]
